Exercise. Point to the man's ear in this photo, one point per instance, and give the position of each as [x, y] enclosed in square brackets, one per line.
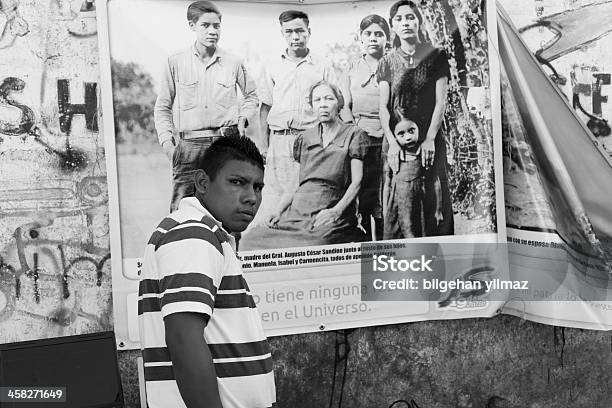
[201, 181]
[192, 25]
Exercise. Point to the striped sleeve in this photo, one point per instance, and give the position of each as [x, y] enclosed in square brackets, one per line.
[190, 266]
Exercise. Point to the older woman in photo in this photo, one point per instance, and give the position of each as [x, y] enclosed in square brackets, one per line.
[360, 89]
[422, 91]
[320, 208]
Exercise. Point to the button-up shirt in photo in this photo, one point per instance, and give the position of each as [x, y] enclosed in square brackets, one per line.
[284, 86]
[205, 94]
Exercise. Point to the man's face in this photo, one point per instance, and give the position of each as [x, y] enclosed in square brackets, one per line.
[233, 197]
[406, 23]
[296, 34]
[407, 133]
[207, 29]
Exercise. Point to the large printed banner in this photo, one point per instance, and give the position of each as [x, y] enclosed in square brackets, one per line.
[305, 278]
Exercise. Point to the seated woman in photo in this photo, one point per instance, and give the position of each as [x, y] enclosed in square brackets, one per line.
[320, 208]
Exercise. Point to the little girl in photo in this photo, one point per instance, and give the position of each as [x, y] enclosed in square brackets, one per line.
[404, 190]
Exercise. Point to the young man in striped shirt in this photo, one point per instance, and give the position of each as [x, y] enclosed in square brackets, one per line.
[192, 356]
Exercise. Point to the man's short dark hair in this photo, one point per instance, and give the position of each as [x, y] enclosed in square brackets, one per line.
[290, 15]
[197, 8]
[229, 148]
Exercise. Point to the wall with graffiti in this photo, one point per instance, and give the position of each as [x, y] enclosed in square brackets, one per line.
[55, 277]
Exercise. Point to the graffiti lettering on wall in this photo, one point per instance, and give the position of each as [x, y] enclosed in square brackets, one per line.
[600, 79]
[53, 280]
[17, 119]
[596, 122]
[14, 25]
[55, 276]
[68, 110]
[54, 272]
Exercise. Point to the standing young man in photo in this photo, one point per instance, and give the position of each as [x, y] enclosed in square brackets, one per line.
[202, 339]
[285, 111]
[201, 81]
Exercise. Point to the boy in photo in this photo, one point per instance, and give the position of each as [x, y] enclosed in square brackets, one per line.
[403, 190]
[202, 81]
[192, 356]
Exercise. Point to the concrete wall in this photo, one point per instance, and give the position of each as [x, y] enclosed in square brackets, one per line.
[54, 246]
[500, 362]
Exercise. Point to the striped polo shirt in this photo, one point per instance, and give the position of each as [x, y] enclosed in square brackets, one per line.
[190, 265]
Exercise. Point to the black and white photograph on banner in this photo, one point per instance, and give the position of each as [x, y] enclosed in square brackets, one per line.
[375, 120]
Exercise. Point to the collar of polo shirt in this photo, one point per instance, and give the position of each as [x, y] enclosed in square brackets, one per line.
[194, 202]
